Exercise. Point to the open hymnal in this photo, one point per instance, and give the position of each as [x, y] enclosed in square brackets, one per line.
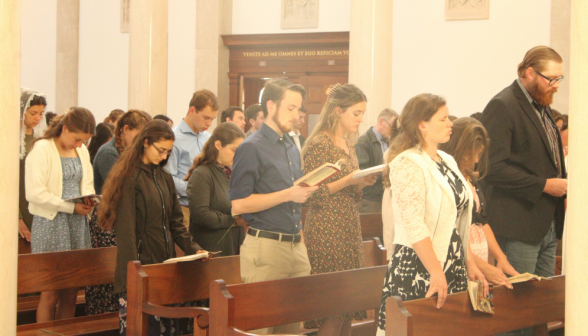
[369, 171]
[319, 175]
[525, 277]
[80, 199]
[196, 256]
[479, 301]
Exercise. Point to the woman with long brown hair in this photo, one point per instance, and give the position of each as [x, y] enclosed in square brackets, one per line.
[58, 167]
[431, 209]
[469, 146]
[101, 299]
[140, 203]
[332, 225]
[208, 193]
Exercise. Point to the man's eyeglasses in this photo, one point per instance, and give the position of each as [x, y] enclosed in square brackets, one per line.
[162, 152]
[551, 81]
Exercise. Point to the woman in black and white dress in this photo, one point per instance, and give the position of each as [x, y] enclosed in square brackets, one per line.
[431, 208]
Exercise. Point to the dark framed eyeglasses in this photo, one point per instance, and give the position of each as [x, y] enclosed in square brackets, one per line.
[551, 81]
[162, 151]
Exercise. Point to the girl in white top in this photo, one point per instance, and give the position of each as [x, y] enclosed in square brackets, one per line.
[58, 167]
[431, 209]
[469, 147]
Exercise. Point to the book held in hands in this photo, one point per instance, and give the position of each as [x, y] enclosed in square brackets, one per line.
[80, 199]
[192, 257]
[369, 171]
[525, 277]
[319, 175]
[480, 302]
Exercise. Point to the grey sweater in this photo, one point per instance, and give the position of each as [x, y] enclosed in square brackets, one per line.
[103, 162]
[210, 211]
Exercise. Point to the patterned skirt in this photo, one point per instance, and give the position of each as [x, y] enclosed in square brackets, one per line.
[408, 278]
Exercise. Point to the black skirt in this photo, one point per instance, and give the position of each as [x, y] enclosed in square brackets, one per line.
[408, 278]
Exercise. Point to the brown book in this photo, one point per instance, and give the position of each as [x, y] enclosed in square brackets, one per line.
[319, 175]
[480, 302]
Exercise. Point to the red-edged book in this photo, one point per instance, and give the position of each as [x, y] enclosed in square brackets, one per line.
[319, 175]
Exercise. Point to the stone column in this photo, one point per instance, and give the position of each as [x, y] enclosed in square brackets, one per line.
[148, 56]
[9, 137]
[213, 19]
[370, 55]
[560, 41]
[68, 41]
[577, 231]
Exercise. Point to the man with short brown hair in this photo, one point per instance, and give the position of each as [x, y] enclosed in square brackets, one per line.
[191, 135]
[262, 190]
[235, 115]
[527, 175]
[255, 118]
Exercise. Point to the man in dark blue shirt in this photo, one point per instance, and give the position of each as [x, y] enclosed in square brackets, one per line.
[262, 190]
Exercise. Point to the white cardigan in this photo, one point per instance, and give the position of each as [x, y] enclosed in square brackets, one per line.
[420, 203]
[44, 179]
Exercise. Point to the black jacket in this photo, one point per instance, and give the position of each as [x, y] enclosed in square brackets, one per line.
[149, 221]
[369, 154]
[520, 162]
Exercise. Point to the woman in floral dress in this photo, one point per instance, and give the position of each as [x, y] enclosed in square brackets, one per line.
[332, 231]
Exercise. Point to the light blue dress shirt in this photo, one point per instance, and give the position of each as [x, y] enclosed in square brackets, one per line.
[186, 147]
[380, 138]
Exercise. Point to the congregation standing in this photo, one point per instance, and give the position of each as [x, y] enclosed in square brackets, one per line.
[453, 193]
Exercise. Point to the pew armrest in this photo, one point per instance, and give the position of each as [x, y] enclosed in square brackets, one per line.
[199, 313]
[397, 316]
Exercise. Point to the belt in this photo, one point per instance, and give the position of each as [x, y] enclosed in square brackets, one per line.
[295, 238]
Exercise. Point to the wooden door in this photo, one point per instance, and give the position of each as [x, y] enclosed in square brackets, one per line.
[316, 89]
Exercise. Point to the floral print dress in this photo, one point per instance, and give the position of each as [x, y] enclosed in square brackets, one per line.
[332, 231]
[100, 299]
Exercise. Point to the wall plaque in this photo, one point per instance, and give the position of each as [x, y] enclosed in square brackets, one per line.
[299, 14]
[467, 10]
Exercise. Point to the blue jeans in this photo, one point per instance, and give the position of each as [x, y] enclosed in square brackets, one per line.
[535, 258]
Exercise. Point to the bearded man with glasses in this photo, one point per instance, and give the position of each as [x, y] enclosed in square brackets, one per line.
[527, 179]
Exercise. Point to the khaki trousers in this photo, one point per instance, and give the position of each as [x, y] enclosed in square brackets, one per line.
[279, 260]
[186, 212]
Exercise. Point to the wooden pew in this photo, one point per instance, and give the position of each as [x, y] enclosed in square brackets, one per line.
[24, 247]
[240, 307]
[371, 225]
[529, 304]
[41, 272]
[151, 287]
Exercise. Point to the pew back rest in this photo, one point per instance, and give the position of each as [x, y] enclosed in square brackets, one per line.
[371, 225]
[39, 272]
[529, 304]
[189, 281]
[374, 253]
[263, 304]
[184, 281]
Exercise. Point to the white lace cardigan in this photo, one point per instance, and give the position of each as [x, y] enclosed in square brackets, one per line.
[420, 203]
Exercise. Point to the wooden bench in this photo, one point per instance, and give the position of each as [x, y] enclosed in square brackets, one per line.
[24, 247]
[41, 272]
[151, 287]
[241, 307]
[529, 304]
